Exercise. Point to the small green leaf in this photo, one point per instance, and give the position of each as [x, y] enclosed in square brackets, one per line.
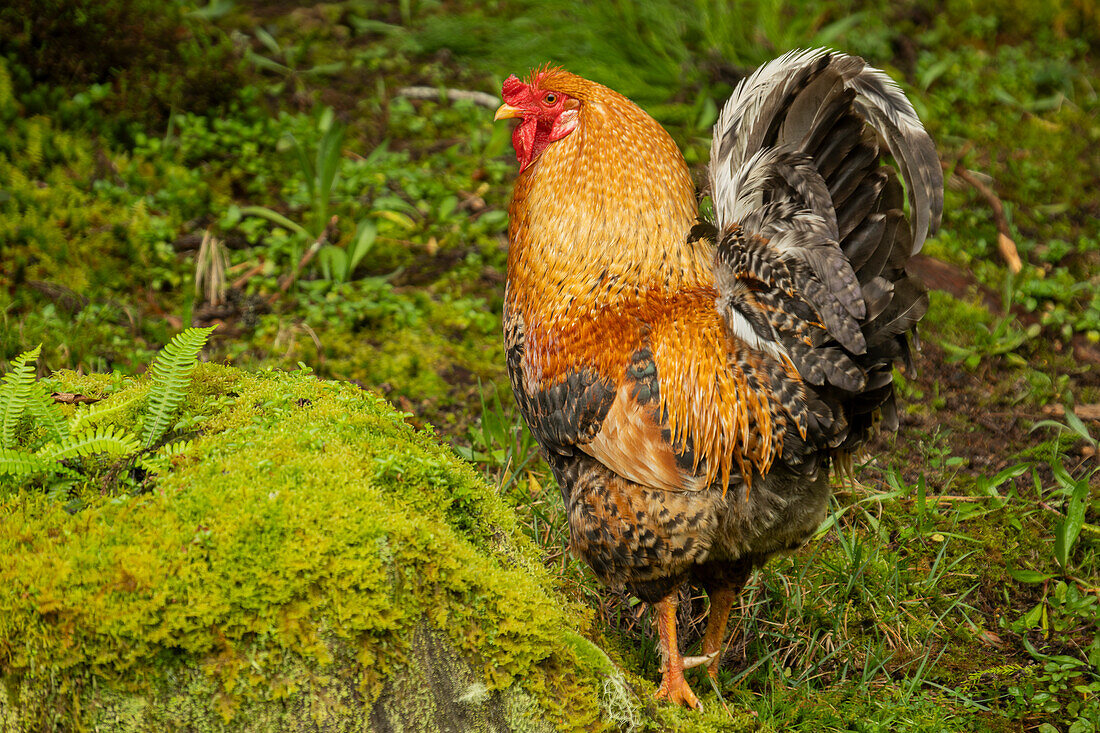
[447, 206]
[231, 217]
[328, 168]
[268, 40]
[397, 218]
[1028, 576]
[1077, 426]
[1004, 475]
[935, 71]
[1068, 530]
[1031, 619]
[325, 69]
[276, 217]
[365, 234]
[265, 63]
[334, 263]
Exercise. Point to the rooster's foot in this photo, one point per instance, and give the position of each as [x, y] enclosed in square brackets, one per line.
[675, 689]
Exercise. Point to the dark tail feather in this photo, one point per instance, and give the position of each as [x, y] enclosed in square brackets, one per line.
[877, 240]
[809, 211]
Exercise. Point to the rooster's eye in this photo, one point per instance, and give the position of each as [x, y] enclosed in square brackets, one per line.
[550, 98]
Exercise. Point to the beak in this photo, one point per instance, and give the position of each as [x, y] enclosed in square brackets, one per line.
[507, 111]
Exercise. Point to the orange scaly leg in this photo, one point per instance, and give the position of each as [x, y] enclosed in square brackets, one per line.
[673, 686]
[721, 601]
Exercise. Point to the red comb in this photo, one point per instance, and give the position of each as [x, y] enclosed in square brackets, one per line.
[512, 87]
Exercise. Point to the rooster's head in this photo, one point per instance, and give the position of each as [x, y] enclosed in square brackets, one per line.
[546, 111]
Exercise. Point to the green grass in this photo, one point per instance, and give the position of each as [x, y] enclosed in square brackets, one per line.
[954, 590]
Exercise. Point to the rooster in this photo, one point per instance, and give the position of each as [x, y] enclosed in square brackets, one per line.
[691, 383]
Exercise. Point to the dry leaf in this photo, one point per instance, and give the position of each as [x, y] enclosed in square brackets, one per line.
[68, 398]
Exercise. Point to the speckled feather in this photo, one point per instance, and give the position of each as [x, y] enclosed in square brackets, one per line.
[689, 384]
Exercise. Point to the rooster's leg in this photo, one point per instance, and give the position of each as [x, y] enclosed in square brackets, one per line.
[721, 601]
[723, 581]
[673, 686]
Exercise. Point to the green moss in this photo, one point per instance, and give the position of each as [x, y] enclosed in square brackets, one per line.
[288, 562]
[409, 344]
[411, 359]
[955, 320]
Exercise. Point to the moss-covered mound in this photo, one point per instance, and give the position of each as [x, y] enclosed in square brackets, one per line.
[311, 562]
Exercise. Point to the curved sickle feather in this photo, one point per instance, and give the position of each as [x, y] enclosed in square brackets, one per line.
[812, 245]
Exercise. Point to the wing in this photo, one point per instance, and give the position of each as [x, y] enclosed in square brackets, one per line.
[561, 412]
[610, 409]
[812, 240]
[658, 391]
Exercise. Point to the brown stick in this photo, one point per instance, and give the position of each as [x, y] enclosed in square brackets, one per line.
[453, 95]
[252, 271]
[1005, 243]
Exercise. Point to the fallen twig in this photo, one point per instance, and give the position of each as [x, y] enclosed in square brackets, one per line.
[1085, 412]
[1005, 243]
[248, 275]
[455, 95]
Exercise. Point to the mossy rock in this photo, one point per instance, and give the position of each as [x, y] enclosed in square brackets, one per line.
[311, 562]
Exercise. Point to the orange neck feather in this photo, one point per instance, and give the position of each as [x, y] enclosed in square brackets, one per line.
[605, 211]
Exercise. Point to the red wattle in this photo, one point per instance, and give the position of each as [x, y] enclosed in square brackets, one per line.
[529, 139]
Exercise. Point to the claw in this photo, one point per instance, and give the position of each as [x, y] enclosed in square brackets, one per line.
[675, 689]
[690, 662]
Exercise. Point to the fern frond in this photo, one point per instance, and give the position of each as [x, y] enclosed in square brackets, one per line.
[15, 394]
[178, 448]
[171, 372]
[34, 136]
[95, 413]
[160, 461]
[139, 211]
[47, 414]
[7, 98]
[104, 439]
[20, 463]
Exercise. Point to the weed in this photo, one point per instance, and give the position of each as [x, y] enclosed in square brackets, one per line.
[286, 63]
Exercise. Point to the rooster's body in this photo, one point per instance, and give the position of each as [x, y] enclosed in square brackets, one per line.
[691, 384]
